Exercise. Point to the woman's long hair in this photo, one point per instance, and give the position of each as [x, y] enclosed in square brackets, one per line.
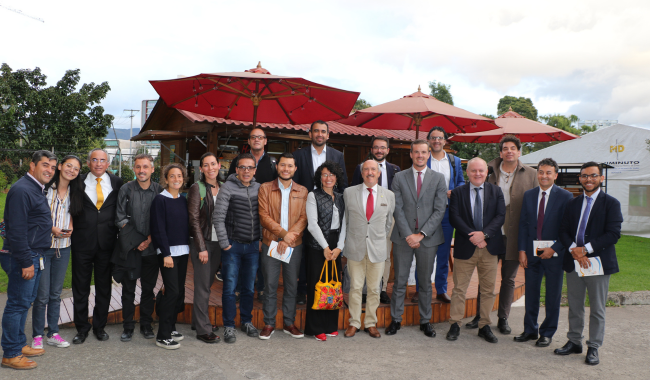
[203, 157]
[76, 190]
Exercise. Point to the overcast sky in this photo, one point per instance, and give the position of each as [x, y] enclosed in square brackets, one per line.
[589, 58]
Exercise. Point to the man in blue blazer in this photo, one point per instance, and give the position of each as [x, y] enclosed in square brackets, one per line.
[591, 226]
[541, 216]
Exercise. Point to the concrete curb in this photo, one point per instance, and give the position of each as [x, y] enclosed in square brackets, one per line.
[630, 298]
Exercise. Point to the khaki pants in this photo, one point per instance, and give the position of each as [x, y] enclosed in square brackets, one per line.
[371, 273]
[486, 265]
[389, 247]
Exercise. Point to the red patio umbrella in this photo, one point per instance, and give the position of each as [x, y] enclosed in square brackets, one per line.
[256, 95]
[419, 111]
[512, 123]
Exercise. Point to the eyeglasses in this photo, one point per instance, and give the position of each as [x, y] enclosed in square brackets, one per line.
[587, 176]
[328, 175]
[70, 166]
[379, 148]
[257, 137]
[436, 138]
[245, 168]
[100, 160]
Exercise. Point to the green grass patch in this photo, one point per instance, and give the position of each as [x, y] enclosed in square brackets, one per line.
[3, 199]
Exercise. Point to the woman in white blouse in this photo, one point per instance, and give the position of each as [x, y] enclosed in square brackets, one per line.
[326, 225]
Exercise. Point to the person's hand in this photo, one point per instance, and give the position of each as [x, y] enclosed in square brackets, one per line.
[548, 253]
[482, 244]
[448, 193]
[476, 237]
[168, 262]
[203, 257]
[290, 238]
[260, 247]
[28, 273]
[282, 247]
[578, 252]
[145, 244]
[327, 253]
[414, 239]
[335, 253]
[230, 246]
[59, 234]
[523, 259]
[584, 262]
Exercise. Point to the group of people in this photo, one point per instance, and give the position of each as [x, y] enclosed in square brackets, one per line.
[302, 202]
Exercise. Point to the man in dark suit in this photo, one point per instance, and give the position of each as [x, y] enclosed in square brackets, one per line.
[541, 216]
[308, 159]
[266, 165]
[93, 240]
[379, 149]
[477, 212]
[591, 226]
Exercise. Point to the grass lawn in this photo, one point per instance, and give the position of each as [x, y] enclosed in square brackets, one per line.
[3, 197]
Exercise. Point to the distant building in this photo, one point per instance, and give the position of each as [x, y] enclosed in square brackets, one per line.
[114, 146]
[147, 107]
[600, 124]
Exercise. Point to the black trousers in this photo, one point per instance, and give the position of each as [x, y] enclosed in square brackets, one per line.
[173, 301]
[148, 279]
[83, 265]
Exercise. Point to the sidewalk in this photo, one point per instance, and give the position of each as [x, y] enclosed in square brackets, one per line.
[407, 355]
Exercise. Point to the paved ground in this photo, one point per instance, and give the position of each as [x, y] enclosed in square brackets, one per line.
[407, 355]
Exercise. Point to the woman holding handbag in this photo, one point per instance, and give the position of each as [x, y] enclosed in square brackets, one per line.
[326, 225]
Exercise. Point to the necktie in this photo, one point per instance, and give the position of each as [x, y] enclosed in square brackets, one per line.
[100, 195]
[370, 204]
[478, 211]
[417, 222]
[580, 240]
[540, 216]
[381, 175]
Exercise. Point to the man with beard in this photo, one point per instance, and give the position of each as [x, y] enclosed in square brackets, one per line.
[379, 151]
[283, 217]
[133, 210]
[590, 228]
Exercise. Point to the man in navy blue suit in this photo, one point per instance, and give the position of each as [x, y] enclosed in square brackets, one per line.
[591, 226]
[541, 216]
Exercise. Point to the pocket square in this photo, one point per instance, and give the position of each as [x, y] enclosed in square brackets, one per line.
[383, 204]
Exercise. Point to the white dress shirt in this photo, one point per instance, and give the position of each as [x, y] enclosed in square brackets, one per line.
[472, 194]
[317, 159]
[384, 174]
[91, 186]
[505, 186]
[415, 177]
[314, 228]
[539, 198]
[593, 196]
[366, 194]
[284, 206]
[442, 167]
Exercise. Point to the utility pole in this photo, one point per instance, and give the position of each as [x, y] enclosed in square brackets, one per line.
[131, 136]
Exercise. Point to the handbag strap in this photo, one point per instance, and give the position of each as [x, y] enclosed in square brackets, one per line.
[323, 270]
[334, 271]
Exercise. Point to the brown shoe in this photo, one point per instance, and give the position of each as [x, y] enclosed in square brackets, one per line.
[266, 332]
[293, 331]
[19, 362]
[444, 298]
[416, 297]
[349, 333]
[374, 333]
[31, 352]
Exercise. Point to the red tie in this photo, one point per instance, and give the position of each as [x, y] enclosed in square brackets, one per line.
[370, 205]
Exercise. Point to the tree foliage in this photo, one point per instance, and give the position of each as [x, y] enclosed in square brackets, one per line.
[441, 92]
[521, 105]
[46, 117]
[360, 104]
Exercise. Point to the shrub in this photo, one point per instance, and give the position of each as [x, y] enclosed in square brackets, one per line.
[3, 181]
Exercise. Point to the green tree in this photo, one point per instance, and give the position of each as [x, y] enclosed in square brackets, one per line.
[360, 104]
[35, 116]
[562, 122]
[521, 105]
[127, 173]
[441, 92]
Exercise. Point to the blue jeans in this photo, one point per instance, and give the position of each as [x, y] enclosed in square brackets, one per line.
[49, 292]
[20, 295]
[239, 264]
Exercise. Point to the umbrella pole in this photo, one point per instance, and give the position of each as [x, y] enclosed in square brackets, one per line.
[254, 116]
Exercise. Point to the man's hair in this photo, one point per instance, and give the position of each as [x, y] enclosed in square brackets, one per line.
[287, 155]
[592, 164]
[509, 138]
[245, 156]
[439, 129]
[95, 150]
[549, 162]
[169, 167]
[254, 128]
[319, 122]
[36, 157]
[418, 142]
[382, 138]
[143, 156]
[476, 159]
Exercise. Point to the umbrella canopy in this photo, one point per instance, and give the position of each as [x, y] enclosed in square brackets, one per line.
[256, 95]
[512, 123]
[419, 111]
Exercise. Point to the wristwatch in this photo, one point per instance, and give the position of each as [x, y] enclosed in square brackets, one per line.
[485, 236]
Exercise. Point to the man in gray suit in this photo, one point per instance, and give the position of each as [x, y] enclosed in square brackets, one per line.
[420, 202]
[368, 218]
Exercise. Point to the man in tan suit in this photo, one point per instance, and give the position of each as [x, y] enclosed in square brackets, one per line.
[368, 215]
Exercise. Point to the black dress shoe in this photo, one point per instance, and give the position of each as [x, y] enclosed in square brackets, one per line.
[393, 327]
[80, 338]
[569, 348]
[100, 334]
[127, 334]
[543, 341]
[147, 332]
[428, 330]
[525, 337]
[384, 298]
[473, 324]
[209, 338]
[301, 299]
[215, 328]
[503, 327]
[592, 356]
[454, 331]
[486, 333]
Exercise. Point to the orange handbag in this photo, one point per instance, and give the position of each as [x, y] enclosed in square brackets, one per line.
[328, 294]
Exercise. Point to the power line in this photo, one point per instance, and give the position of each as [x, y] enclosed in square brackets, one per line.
[21, 13]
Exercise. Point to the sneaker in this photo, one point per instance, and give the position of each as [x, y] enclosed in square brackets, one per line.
[293, 331]
[321, 337]
[260, 296]
[37, 343]
[56, 340]
[218, 276]
[335, 333]
[229, 335]
[266, 332]
[168, 344]
[177, 336]
[250, 330]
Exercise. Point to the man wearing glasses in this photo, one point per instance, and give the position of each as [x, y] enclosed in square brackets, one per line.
[266, 165]
[379, 149]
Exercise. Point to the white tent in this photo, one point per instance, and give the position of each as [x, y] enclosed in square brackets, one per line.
[623, 147]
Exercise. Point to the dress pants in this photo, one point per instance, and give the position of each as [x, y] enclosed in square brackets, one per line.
[425, 257]
[577, 288]
[442, 255]
[486, 265]
[173, 301]
[370, 273]
[537, 269]
[148, 279]
[203, 279]
[83, 264]
[271, 268]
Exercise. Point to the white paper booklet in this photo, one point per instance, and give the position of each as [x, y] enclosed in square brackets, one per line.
[596, 268]
[273, 252]
[543, 244]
